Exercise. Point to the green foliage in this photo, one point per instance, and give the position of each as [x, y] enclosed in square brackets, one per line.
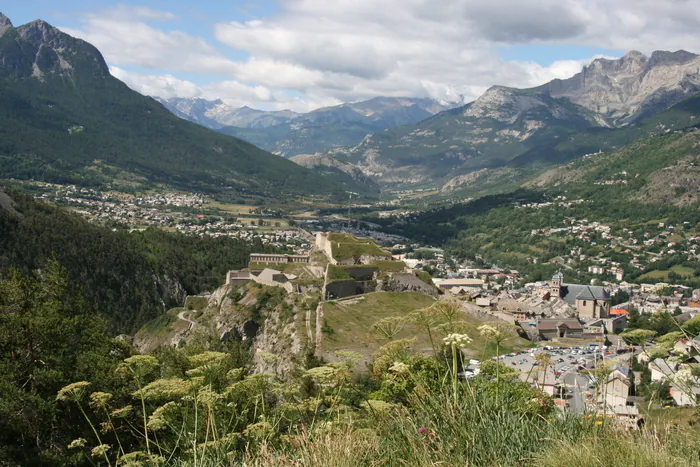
[692, 326]
[124, 137]
[337, 273]
[125, 276]
[48, 338]
[346, 246]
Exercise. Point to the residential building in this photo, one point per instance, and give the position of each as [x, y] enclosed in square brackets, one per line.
[661, 369]
[550, 329]
[472, 285]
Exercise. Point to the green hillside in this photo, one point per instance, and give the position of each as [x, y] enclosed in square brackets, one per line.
[64, 118]
[129, 278]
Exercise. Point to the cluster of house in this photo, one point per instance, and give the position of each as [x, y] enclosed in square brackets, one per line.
[638, 247]
[559, 311]
[677, 368]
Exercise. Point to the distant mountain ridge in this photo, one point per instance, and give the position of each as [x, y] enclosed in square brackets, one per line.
[289, 133]
[544, 125]
[217, 114]
[65, 119]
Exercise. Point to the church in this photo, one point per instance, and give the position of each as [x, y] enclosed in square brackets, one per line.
[589, 301]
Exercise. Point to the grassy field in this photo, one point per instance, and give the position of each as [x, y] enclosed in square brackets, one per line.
[347, 246]
[230, 208]
[351, 319]
[659, 417]
[663, 274]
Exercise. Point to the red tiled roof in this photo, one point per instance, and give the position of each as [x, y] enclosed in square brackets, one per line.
[619, 311]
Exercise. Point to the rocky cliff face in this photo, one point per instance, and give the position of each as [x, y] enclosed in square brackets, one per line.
[635, 85]
[39, 50]
[5, 24]
[508, 127]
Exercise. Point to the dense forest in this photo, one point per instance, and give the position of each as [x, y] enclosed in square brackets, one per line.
[128, 278]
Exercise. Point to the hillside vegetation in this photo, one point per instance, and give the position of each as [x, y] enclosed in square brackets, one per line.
[350, 325]
[65, 119]
[129, 278]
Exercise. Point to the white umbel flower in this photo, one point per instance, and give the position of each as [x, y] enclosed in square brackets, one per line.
[458, 340]
[399, 368]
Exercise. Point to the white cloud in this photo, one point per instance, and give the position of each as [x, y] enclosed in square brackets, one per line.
[232, 92]
[320, 52]
[125, 39]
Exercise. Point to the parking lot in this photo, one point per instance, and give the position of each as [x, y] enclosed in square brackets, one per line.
[564, 359]
[569, 365]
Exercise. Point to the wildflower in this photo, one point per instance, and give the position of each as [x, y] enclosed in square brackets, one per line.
[157, 420]
[322, 374]
[422, 430]
[100, 450]
[349, 356]
[174, 388]
[399, 368]
[209, 358]
[123, 412]
[258, 430]
[599, 422]
[77, 443]
[377, 406]
[492, 332]
[140, 459]
[208, 396]
[236, 374]
[99, 400]
[138, 365]
[457, 340]
[73, 392]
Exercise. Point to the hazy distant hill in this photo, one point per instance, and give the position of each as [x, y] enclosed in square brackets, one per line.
[288, 133]
[64, 118]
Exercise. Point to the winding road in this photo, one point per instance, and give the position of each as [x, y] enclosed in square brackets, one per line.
[181, 316]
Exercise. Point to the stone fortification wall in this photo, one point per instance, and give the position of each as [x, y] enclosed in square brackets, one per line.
[323, 244]
[341, 289]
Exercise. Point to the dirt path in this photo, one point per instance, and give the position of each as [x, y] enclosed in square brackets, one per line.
[309, 333]
[181, 316]
[319, 325]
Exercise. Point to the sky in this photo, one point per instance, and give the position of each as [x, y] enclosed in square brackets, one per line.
[305, 54]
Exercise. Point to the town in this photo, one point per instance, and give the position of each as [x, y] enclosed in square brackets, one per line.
[574, 329]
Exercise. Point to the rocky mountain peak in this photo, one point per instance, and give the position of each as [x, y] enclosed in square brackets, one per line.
[4, 20]
[5, 24]
[634, 55]
[503, 103]
[662, 57]
[40, 50]
[622, 90]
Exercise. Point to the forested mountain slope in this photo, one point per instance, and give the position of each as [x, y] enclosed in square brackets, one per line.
[64, 118]
[130, 278]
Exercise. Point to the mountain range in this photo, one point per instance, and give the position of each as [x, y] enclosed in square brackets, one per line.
[64, 118]
[289, 133]
[553, 123]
